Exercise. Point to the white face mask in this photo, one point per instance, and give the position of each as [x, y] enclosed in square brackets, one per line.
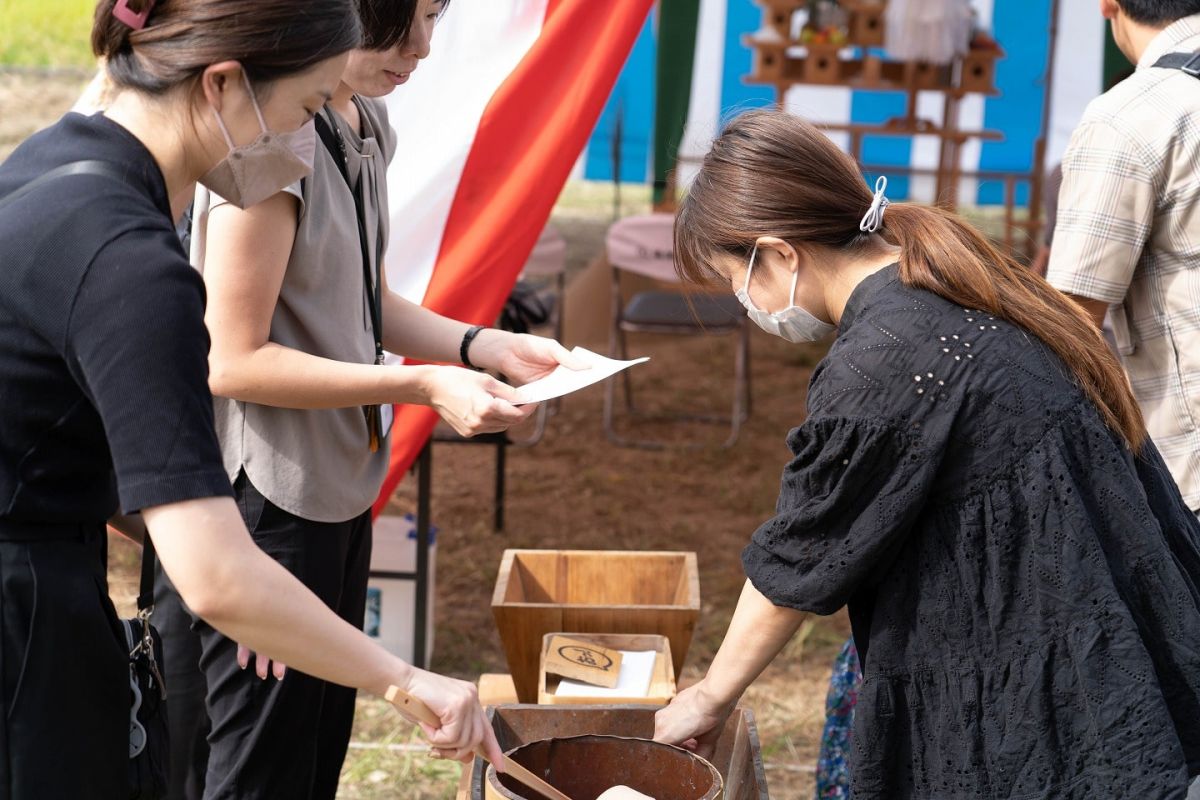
[792, 323]
[274, 161]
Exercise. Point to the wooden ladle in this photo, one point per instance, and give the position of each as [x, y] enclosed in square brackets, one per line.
[415, 709]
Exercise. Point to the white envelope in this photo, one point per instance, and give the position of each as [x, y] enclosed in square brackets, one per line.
[563, 381]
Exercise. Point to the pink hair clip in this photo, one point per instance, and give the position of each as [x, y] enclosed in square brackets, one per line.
[134, 19]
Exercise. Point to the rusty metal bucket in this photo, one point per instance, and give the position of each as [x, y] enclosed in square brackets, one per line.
[584, 767]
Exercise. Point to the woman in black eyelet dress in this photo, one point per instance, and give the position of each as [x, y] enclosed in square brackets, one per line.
[1022, 589]
[1021, 573]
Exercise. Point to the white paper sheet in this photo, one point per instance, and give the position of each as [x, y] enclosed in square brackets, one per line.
[563, 381]
[637, 670]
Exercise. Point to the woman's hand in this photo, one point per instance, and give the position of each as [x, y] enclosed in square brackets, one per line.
[520, 356]
[464, 727]
[758, 631]
[474, 402]
[263, 666]
[694, 720]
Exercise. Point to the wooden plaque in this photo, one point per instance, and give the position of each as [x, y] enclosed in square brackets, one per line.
[583, 661]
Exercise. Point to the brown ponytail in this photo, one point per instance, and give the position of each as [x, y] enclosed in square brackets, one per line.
[272, 39]
[773, 174]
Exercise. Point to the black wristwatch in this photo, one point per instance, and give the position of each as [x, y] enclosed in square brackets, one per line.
[469, 337]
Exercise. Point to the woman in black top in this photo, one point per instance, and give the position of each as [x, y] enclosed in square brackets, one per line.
[104, 400]
[973, 480]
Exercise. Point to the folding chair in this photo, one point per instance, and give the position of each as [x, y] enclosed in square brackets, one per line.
[644, 245]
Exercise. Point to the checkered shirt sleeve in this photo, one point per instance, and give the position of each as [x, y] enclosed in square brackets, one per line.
[1106, 209]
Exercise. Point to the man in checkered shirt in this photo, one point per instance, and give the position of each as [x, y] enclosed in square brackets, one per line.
[1128, 233]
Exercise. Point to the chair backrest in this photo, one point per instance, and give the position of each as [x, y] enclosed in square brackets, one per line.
[644, 245]
[549, 256]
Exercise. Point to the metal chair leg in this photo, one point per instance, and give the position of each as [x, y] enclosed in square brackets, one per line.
[539, 427]
[610, 385]
[738, 414]
[560, 300]
[424, 468]
[609, 401]
[626, 380]
[749, 373]
[744, 347]
[501, 463]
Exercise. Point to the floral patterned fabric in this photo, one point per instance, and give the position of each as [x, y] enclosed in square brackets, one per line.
[833, 764]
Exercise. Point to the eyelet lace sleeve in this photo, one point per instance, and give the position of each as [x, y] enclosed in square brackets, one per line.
[847, 501]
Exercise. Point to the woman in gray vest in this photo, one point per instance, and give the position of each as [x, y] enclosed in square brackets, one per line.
[300, 314]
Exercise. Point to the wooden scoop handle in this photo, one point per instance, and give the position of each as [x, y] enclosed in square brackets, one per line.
[415, 709]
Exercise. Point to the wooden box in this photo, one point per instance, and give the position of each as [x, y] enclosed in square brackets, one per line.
[770, 60]
[662, 683]
[822, 65]
[778, 14]
[978, 71]
[738, 756]
[867, 24]
[591, 591]
[780, 20]
[923, 75]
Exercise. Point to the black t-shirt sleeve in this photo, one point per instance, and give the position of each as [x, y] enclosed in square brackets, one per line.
[137, 344]
[847, 502]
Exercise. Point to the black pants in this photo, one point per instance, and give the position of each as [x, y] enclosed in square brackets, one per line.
[64, 672]
[187, 718]
[268, 738]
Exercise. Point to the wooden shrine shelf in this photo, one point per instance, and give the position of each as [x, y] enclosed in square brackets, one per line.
[849, 56]
[775, 64]
[782, 61]
[901, 126]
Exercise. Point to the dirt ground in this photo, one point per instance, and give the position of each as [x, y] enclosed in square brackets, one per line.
[575, 490]
[31, 100]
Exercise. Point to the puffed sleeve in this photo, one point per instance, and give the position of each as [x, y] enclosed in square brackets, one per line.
[137, 345]
[848, 499]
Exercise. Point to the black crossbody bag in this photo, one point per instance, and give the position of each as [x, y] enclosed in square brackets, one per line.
[379, 420]
[148, 747]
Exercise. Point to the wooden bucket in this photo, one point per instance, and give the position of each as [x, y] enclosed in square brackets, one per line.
[738, 755]
[584, 767]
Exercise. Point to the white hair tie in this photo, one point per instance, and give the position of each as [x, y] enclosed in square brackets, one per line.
[873, 219]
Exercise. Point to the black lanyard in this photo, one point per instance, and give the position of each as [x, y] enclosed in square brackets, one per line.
[331, 136]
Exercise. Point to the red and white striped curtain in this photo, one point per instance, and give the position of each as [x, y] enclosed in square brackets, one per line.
[489, 128]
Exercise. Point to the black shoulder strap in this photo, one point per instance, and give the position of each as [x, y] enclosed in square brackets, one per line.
[1188, 63]
[145, 598]
[89, 167]
[104, 169]
[337, 149]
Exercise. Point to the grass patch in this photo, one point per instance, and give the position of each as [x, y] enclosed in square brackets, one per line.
[380, 773]
[597, 199]
[46, 33]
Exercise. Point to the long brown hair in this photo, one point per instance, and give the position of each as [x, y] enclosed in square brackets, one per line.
[271, 39]
[773, 174]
